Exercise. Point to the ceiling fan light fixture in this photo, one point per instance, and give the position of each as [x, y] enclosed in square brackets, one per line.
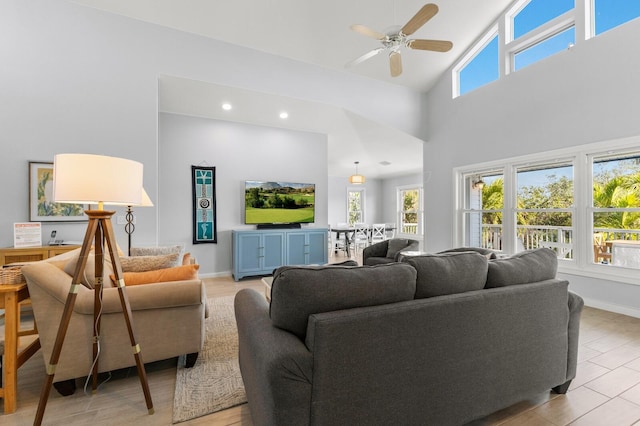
[356, 179]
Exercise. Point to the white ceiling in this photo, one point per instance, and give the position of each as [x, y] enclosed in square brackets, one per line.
[317, 32]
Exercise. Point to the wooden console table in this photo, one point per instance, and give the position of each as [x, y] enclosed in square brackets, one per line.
[10, 297]
[31, 254]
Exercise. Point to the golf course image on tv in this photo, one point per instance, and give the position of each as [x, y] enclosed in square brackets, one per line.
[279, 202]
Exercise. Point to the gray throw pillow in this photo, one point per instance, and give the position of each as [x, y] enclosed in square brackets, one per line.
[298, 292]
[525, 267]
[449, 273]
[395, 246]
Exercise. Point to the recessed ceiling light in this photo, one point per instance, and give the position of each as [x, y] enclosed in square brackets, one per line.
[284, 114]
[385, 163]
[226, 106]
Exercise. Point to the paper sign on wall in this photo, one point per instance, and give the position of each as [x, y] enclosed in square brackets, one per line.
[27, 234]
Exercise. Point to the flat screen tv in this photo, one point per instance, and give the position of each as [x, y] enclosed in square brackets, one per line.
[278, 202]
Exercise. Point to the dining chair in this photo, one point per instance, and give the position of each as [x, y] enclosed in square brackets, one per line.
[360, 235]
[390, 230]
[378, 232]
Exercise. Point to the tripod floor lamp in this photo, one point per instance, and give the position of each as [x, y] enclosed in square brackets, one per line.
[95, 179]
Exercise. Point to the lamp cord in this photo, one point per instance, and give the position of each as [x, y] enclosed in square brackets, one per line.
[95, 329]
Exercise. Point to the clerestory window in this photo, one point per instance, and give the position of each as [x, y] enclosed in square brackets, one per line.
[531, 30]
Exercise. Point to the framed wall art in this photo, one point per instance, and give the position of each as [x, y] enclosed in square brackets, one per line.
[203, 183]
[42, 208]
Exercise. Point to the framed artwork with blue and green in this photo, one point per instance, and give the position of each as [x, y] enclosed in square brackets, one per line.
[203, 182]
[42, 208]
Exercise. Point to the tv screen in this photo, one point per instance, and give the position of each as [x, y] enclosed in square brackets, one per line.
[279, 202]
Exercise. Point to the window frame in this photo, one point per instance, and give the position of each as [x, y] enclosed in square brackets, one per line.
[420, 212]
[582, 263]
[468, 57]
[362, 203]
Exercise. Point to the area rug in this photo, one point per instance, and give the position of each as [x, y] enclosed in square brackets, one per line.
[214, 382]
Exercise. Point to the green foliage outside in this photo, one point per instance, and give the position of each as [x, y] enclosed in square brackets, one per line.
[618, 187]
[355, 207]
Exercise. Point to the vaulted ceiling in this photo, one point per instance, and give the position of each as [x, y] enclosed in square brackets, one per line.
[318, 32]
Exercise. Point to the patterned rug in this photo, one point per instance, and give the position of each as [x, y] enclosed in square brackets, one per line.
[214, 383]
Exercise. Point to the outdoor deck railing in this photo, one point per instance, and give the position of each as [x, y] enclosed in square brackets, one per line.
[558, 238]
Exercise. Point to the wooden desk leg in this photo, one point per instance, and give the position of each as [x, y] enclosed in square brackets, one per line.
[10, 367]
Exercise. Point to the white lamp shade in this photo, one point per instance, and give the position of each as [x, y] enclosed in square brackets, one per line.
[95, 179]
[146, 201]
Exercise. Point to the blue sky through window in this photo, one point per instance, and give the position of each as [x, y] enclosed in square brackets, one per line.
[546, 48]
[538, 12]
[611, 13]
[483, 68]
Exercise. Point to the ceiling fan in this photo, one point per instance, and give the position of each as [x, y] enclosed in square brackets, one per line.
[396, 38]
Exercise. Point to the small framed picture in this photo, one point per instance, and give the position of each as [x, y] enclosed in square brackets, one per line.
[42, 208]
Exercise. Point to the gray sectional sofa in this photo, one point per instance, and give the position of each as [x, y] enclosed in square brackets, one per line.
[436, 340]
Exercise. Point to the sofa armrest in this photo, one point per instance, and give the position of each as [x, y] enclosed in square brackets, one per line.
[576, 303]
[276, 366]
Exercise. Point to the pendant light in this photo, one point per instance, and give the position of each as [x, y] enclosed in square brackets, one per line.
[356, 179]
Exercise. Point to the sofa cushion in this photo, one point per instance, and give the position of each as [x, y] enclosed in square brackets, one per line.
[177, 273]
[150, 263]
[298, 292]
[448, 273]
[525, 267]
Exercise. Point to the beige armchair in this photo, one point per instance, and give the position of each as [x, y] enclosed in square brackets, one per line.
[168, 319]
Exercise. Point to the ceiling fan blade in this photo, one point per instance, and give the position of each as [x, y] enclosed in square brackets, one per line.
[395, 63]
[364, 57]
[427, 12]
[435, 45]
[368, 32]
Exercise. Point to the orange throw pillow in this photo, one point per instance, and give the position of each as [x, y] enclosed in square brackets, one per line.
[177, 273]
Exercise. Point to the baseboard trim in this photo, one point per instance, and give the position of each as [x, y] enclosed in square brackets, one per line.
[215, 274]
[618, 309]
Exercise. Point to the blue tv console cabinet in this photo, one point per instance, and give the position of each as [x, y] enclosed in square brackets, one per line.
[259, 252]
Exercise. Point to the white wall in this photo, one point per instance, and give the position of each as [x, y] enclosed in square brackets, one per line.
[239, 152]
[76, 79]
[374, 200]
[583, 95]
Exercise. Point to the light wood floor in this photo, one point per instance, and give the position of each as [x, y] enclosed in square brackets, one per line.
[605, 392]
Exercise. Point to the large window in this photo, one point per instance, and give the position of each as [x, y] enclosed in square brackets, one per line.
[615, 209]
[355, 206]
[484, 209]
[544, 208]
[582, 203]
[410, 210]
[531, 30]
